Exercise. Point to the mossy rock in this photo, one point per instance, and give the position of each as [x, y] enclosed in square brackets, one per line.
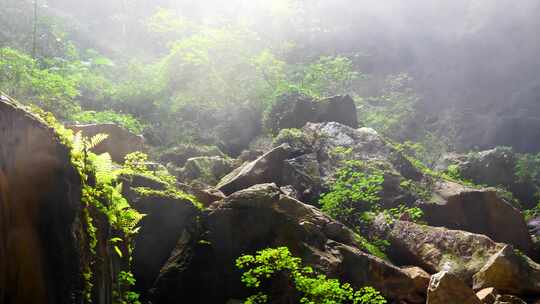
[179, 155]
[206, 169]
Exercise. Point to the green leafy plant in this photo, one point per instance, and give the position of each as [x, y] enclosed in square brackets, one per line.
[354, 195]
[528, 168]
[21, 76]
[312, 288]
[136, 161]
[412, 214]
[125, 120]
[453, 172]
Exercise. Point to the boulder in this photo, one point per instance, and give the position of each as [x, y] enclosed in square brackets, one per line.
[265, 169]
[206, 196]
[119, 143]
[177, 156]
[40, 205]
[509, 271]
[420, 276]
[206, 170]
[303, 175]
[131, 181]
[495, 168]
[436, 248]
[249, 155]
[508, 299]
[534, 229]
[477, 210]
[333, 144]
[446, 288]
[167, 214]
[201, 268]
[295, 110]
[238, 127]
[487, 295]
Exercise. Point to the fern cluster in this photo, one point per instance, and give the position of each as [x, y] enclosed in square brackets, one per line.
[101, 192]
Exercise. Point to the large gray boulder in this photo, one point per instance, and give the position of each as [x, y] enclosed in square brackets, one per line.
[436, 248]
[510, 271]
[477, 210]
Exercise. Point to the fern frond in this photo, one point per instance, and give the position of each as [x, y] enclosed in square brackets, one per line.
[96, 140]
[104, 168]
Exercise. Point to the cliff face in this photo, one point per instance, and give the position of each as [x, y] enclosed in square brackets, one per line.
[40, 195]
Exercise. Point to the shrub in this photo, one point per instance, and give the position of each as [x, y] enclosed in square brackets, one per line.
[312, 288]
[528, 168]
[354, 196]
[22, 77]
[125, 120]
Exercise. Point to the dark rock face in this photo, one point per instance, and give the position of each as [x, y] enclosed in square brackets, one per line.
[262, 217]
[119, 143]
[294, 111]
[40, 194]
[241, 126]
[302, 173]
[478, 211]
[166, 217]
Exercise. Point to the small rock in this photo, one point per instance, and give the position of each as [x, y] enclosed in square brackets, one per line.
[487, 295]
[446, 288]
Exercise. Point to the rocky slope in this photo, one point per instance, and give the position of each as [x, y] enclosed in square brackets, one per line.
[471, 245]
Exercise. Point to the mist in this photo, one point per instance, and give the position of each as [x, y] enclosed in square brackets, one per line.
[208, 151]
